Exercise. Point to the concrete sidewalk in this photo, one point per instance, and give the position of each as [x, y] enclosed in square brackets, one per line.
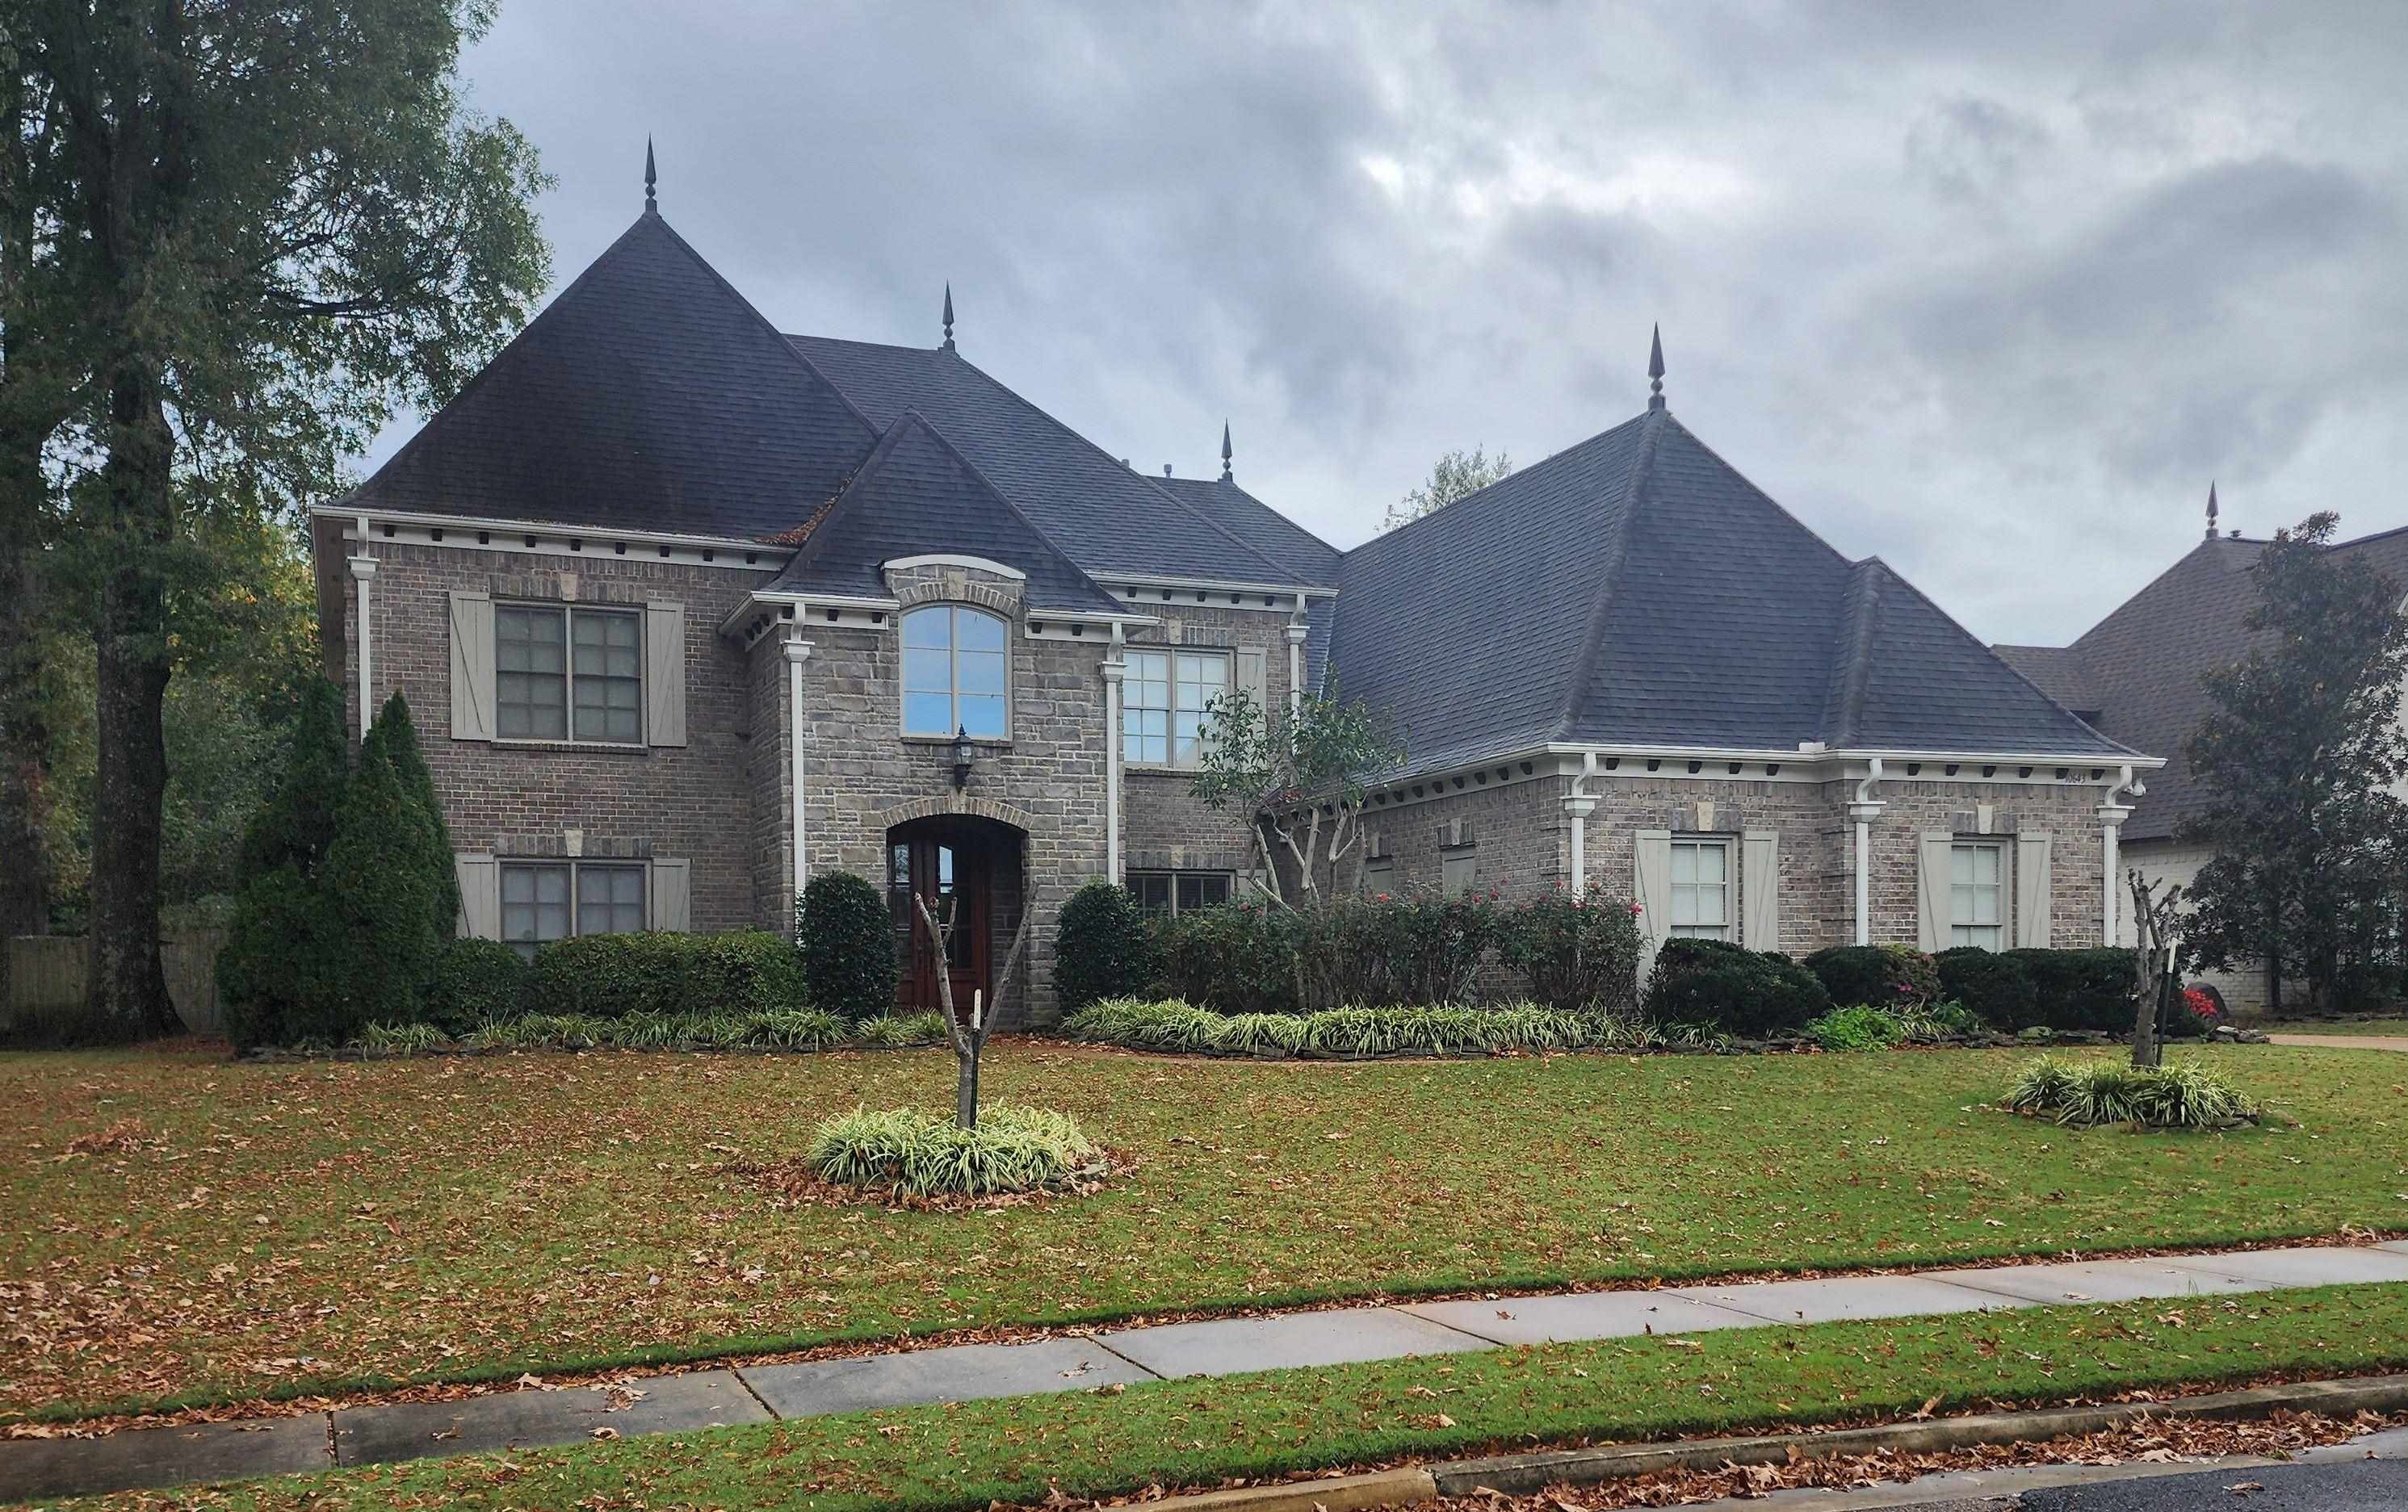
[2341, 1042]
[32, 1469]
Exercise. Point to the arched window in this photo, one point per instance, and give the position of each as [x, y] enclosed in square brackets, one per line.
[953, 670]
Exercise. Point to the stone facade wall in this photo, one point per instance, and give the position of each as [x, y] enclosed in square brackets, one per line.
[520, 798]
[1163, 826]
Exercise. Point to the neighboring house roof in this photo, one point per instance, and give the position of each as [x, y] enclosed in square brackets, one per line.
[1110, 517]
[917, 495]
[648, 395]
[2143, 664]
[1637, 590]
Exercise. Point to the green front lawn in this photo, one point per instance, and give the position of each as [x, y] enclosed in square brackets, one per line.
[1020, 1450]
[281, 1226]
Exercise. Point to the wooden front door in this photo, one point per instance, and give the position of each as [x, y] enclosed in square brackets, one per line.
[952, 866]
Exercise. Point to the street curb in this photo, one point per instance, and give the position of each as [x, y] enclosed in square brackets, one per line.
[1522, 1475]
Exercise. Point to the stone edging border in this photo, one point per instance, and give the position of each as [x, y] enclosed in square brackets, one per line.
[1522, 1475]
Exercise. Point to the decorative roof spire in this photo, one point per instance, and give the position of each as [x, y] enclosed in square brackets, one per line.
[652, 177]
[2211, 510]
[948, 316]
[1226, 476]
[1656, 370]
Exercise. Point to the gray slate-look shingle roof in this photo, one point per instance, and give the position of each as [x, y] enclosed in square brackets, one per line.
[1637, 590]
[917, 495]
[2145, 662]
[1308, 561]
[2055, 671]
[1109, 517]
[648, 395]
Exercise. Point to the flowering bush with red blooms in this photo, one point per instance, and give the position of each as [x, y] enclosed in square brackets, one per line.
[2201, 1006]
[1578, 954]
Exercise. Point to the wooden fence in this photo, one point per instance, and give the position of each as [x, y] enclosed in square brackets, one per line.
[46, 978]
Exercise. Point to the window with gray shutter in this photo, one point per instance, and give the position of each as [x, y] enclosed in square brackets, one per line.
[665, 657]
[472, 666]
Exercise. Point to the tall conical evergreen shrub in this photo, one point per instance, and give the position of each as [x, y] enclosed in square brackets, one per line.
[278, 973]
[296, 824]
[388, 876]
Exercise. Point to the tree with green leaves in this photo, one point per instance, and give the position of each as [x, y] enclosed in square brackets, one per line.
[2301, 755]
[1300, 781]
[1454, 475]
[267, 225]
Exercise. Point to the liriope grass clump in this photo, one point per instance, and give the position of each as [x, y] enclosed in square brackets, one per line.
[899, 1030]
[1014, 1149]
[2090, 1093]
[1182, 1028]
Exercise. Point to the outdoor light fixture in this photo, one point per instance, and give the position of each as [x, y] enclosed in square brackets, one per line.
[964, 754]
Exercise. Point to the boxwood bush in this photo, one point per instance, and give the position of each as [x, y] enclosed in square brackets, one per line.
[846, 939]
[475, 982]
[613, 976]
[1755, 994]
[1104, 949]
[2084, 989]
[1888, 976]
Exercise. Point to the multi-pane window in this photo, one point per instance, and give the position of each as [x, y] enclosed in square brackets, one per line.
[954, 672]
[1976, 895]
[1179, 892]
[552, 662]
[544, 901]
[1701, 889]
[1458, 871]
[1164, 700]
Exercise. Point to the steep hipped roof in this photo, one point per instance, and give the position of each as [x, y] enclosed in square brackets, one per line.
[1109, 518]
[1308, 561]
[2055, 671]
[648, 395]
[916, 496]
[2144, 663]
[1637, 590]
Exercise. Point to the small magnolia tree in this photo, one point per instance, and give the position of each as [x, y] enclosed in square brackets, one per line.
[969, 1036]
[1300, 780]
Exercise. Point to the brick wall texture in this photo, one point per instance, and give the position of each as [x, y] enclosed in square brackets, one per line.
[723, 800]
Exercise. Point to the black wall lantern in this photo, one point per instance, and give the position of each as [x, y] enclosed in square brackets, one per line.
[964, 754]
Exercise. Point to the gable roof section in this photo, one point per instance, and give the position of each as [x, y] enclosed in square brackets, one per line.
[1110, 517]
[648, 395]
[1308, 561]
[917, 495]
[1637, 590]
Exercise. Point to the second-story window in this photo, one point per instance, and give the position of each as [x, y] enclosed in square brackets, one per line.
[565, 672]
[1163, 699]
[954, 672]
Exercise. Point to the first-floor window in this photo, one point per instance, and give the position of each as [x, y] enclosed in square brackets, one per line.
[1380, 876]
[1701, 889]
[1179, 892]
[545, 901]
[1976, 896]
[1458, 871]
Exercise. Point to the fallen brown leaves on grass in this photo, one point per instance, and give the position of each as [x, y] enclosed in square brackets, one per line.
[793, 1183]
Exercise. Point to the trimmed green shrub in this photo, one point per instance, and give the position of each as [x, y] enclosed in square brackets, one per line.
[1577, 954]
[845, 935]
[475, 982]
[2082, 989]
[1013, 1149]
[296, 824]
[1749, 993]
[618, 976]
[1859, 1028]
[1390, 952]
[1238, 958]
[2089, 1094]
[1996, 986]
[280, 972]
[1104, 949]
[1889, 977]
[388, 878]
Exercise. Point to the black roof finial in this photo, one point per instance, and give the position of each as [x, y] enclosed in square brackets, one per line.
[1226, 476]
[1656, 370]
[948, 316]
[652, 177]
[2211, 510]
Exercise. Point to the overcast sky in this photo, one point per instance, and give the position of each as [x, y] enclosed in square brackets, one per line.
[1992, 292]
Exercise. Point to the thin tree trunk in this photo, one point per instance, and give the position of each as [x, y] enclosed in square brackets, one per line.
[128, 986]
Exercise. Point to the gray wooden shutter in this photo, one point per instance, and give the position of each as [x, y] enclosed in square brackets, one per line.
[1759, 890]
[472, 666]
[665, 674]
[1652, 885]
[1931, 890]
[1255, 679]
[672, 894]
[480, 896]
[2033, 916]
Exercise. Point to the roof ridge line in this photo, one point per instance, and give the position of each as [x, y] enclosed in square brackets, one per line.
[807, 550]
[1201, 517]
[1297, 525]
[1618, 555]
[1396, 531]
[1005, 499]
[2163, 573]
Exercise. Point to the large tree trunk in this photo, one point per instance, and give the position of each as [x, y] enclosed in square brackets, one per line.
[128, 986]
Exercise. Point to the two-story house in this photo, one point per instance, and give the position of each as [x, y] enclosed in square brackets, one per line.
[693, 610]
